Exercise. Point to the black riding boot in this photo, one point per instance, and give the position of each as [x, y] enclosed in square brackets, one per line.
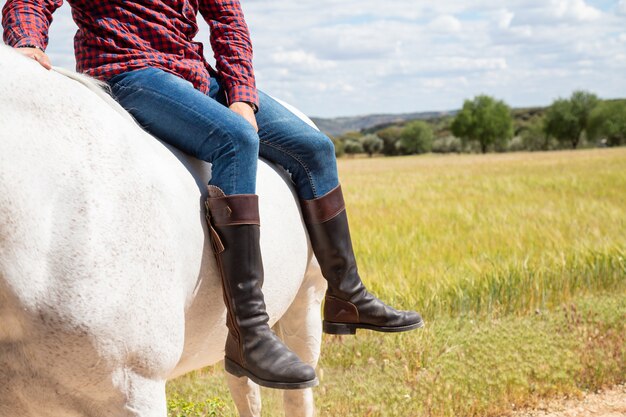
[348, 305]
[252, 348]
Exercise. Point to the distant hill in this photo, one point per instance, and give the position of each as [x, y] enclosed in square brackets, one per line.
[340, 125]
[371, 123]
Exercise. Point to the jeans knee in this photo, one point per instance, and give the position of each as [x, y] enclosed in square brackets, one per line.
[321, 148]
[238, 141]
[246, 139]
[326, 147]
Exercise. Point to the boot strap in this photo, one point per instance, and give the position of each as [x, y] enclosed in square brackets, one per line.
[216, 242]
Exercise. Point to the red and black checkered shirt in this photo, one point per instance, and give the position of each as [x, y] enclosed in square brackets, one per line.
[117, 36]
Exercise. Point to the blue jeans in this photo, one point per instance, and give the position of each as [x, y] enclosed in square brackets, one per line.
[202, 125]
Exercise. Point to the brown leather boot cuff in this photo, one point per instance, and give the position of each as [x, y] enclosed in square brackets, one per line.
[324, 208]
[232, 209]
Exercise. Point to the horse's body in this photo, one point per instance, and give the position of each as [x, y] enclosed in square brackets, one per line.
[108, 285]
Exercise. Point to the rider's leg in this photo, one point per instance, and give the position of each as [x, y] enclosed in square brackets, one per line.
[201, 125]
[310, 158]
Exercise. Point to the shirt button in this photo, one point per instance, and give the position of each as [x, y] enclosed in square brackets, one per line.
[182, 52]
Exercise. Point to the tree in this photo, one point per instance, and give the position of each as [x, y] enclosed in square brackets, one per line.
[339, 146]
[534, 137]
[484, 120]
[416, 137]
[352, 147]
[561, 123]
[351, 135]
[566, 120]
[390, 136]
[371, 144]
[583, 103]
[608, 121]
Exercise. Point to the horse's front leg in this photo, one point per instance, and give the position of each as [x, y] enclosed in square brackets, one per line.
[301, 330]
[145, 397]
[246, 395]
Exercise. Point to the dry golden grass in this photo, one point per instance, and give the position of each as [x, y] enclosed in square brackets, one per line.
[518, 262]
[473, 232]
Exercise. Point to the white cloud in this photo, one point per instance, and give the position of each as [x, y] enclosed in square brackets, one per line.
[331, 57]
[577, 10]
[301, 59]
[445, 23]
[503, 18]
[551, 12]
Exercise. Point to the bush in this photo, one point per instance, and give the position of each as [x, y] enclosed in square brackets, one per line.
[352, 147]
[339, 147]
[372, 144]
[390, 137]
[448, 144]
[516, 144]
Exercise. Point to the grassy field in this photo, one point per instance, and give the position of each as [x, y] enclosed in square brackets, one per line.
[518, 264]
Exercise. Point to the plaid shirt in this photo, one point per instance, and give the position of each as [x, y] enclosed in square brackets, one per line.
[117, 36]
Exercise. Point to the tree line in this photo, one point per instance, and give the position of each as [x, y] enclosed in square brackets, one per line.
[486, 124]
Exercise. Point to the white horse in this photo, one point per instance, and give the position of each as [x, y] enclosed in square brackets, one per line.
[108, 285]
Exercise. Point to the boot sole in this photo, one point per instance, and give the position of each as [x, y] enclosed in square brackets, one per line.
[350, 328]
[239, 371]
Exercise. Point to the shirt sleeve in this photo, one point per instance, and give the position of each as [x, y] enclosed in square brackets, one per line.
[26, 22]
[232, 48]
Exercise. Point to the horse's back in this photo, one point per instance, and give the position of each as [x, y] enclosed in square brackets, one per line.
[95, 251]
[107, 281]
[86, 196]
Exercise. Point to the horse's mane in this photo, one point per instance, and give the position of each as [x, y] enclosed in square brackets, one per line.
[100, 88]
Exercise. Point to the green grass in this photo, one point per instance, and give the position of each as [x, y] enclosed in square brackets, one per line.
[518, 263]
[478, 367]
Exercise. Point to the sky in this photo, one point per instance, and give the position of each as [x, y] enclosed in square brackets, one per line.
[335, 58]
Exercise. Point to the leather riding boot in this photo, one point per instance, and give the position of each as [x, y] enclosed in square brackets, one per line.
[348, 305]
[252, 348]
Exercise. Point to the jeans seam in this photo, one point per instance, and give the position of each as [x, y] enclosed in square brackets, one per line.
[234, 169]
[234, 166]
[121, 82]
[297, 159]
[152, 90]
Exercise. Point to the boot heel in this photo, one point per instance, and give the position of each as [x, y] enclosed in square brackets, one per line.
[338, 328]
[233, 369]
